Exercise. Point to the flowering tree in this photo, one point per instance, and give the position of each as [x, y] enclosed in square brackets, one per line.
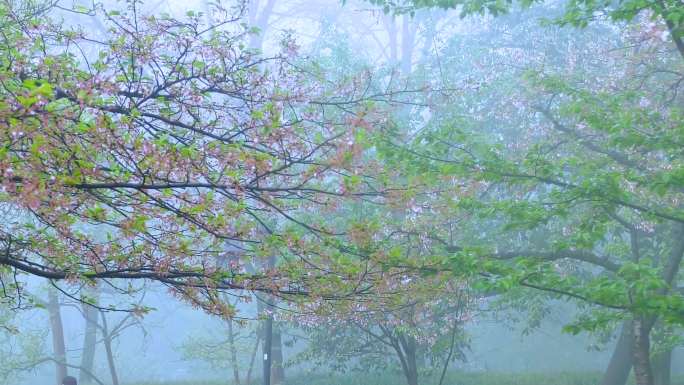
[582, 200]
[424, 323]
[141, 154]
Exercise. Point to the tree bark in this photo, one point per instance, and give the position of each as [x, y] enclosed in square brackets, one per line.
[642, 326]
[643, 372]
[268, 331]
[621, 361]
[277, 370]
[57, 328]
[662, 368]
[267, 349]
[674, 29]
[89, 343]
[412, 375]
[405, 347]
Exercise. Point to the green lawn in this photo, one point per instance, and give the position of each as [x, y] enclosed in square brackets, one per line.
[453, 378]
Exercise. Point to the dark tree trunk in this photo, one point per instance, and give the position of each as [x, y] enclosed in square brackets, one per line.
[57, 328]
[643, 372]
[277, 370]
[674, 30]
[662, 368]
[405, 346]
[621, 361]
[412, 374]
[268, 331]
[642, 327]
[89, 344]
[267, 349]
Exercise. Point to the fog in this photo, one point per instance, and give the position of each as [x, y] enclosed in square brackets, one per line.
[367, 192]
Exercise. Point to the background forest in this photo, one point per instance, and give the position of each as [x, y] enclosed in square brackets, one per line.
[428, 192]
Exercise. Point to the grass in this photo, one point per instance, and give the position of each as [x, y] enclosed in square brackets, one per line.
[453, 378]
[456, 378]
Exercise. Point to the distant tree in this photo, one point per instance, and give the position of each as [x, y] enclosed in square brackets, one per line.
[425, 323]
[59, 356]
[577, 12]
[232, 348]
[20, 345]
[91, 323]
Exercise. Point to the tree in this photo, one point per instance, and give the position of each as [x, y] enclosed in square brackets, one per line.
[138, 155]
[20, 345]
[57, 331]
[110, 333]
[412, 320]
[563, 179]
[233, 349]
[577, 12]
[89, 338]
[585, 187]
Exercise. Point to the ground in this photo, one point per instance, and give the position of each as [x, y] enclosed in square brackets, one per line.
[453, 378]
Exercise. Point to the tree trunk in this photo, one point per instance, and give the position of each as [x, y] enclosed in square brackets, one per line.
[58, 346]
[267, 349]
[277, 370]
[621, 361]
[391, 26]
[643, 372]
[89, 343]
[259, 19]
[407, 42]
[405, 347]
[268, 331]
[448, 358]
[110, 361]
[251, 360]
[233, 353]
[107, 340]
[662, 368]
[674, 30]
[412, 374]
